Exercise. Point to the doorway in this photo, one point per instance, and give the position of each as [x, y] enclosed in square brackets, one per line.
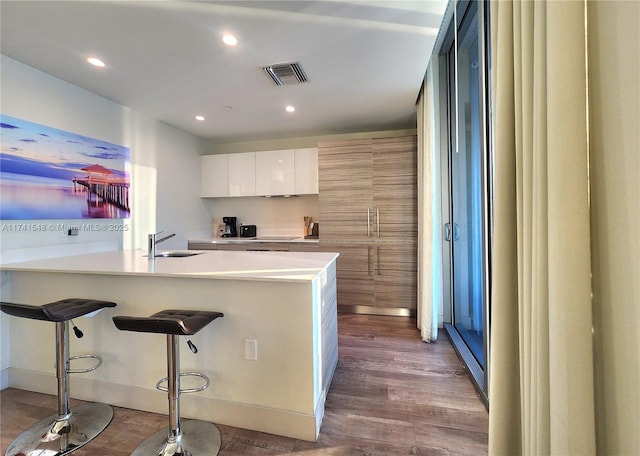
[466, 174]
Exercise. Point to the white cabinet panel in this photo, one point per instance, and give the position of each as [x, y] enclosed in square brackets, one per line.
[214, 176]
[241, 174]
[275, 172]
[306, 171]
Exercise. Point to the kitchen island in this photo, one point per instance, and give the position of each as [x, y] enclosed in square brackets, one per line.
[285, 302]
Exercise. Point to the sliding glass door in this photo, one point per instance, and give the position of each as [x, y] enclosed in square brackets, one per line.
[466, 229]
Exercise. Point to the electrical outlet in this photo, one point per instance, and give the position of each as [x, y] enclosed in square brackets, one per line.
[251, 349]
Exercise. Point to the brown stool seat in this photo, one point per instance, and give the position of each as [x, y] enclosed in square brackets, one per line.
[63, 310]
[170, 321]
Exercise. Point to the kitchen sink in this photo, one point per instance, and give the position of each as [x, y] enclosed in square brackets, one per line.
[176, 254]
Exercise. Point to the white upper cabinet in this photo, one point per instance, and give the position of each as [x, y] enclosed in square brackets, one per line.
[306, 171]
[214, 175]
[268, 173]
[241, 174]
[275, 172]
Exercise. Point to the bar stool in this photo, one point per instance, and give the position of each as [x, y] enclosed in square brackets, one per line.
[69, 429]
[193, 437]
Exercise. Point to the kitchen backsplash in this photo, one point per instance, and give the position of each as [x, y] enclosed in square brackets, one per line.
[272, 216]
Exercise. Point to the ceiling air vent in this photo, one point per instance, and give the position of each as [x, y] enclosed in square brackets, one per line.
[286, 73]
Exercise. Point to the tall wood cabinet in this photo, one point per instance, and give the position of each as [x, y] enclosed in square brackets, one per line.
[368, 213]
[345, 180]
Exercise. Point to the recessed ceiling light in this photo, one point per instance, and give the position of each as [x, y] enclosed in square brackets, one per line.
[289, 108]
[200, 118]
[95, 62]
[229, 40]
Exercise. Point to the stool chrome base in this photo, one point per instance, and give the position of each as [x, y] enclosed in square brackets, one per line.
[57, 437]
[198, 438]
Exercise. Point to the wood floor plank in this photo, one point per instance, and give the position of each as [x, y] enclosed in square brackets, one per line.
[392, 394]
[370, 427]
[447, 439]
[423, 414]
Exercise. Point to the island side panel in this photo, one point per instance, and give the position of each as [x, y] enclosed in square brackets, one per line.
[327, 328]
[273, 394]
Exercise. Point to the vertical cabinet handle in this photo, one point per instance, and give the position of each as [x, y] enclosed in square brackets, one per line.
[447, 232]
[456, 231]
[377, 260]
[368, 222]
[369, 261]
[378, 221]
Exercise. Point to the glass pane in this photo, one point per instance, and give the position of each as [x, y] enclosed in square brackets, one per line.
[467, 191]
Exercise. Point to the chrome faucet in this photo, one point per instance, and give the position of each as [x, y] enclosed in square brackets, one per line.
[153, 240]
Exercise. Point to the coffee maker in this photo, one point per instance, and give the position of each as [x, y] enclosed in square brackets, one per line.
[230, 227]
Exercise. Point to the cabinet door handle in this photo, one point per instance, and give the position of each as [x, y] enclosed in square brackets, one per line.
[368, 222]
[377, 260]
[369, 261]
[378, 220]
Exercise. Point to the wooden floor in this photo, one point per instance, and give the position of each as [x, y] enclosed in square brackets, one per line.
[391, 395]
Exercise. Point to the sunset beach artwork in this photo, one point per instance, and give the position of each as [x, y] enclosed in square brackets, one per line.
[46, 173]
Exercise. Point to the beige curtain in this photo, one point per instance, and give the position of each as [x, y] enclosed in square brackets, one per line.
[429, 262]
[541, 375]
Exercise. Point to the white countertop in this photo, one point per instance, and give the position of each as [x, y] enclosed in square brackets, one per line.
[215, 264]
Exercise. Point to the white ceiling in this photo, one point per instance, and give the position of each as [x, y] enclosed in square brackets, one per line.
[364, 59]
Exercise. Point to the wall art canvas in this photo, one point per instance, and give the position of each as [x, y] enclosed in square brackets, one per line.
[46, 173]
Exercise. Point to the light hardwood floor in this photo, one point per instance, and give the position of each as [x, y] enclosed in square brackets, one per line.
[391, 395]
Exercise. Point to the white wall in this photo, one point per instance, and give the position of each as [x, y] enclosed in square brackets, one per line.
[614, 104]
[164, 160]
[272, 216]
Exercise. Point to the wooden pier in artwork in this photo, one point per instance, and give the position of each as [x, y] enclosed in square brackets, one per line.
[111, 189]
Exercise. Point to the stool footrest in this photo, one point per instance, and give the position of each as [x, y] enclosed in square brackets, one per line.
[88, 369]
[185, 390]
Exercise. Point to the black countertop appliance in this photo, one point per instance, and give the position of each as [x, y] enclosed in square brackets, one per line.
[230, 226]
[247, 231]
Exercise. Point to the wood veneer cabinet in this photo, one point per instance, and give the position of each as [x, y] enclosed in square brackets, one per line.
[210, 246]
[345, 180]
[368, 210]
[395, 187]
[253, 246]
[376, 277]
[304, 247]
[354, 275]
[368, 188]
[396, 275]
[268, 246]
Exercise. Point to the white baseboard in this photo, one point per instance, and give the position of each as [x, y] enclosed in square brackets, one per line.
[273, 421]
[4, 379]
